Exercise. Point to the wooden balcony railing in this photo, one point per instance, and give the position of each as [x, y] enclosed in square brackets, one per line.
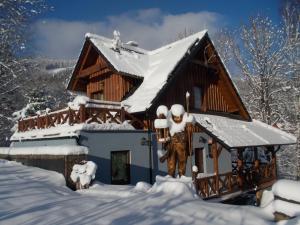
[83, 115]
[217, 185]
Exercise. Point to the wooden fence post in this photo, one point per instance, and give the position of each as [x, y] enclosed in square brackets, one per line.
[70, 116]
[122, 114]
[20, 129]
[216, 164]
[82, 113]
[47, 121]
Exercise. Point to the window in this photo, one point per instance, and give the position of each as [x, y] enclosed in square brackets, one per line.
[197, 97]
[99, 91]
[98, 95]
[120, 167]
[199, 159]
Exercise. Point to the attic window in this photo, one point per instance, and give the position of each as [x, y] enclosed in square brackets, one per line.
[101, 86]
[99, 95]
[197, 94]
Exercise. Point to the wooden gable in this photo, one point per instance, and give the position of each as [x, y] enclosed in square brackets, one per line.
[95, 76]
[203, 69]
[206, 71]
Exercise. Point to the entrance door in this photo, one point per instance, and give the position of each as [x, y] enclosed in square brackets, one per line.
[199, 159]
[120, 167]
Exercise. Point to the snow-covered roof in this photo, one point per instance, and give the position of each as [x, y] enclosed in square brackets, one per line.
[65, 130]
[237, 133]
[45, 150]
[154, 66]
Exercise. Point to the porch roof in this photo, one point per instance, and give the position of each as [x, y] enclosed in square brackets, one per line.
[238, 133]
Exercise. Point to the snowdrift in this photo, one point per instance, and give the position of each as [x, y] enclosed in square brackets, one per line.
[284, 198]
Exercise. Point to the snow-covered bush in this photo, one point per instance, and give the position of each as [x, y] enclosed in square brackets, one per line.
[84, 173]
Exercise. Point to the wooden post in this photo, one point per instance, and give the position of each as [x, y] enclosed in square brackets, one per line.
[20, 129]
[38, 122]
[82, 113]
[122, 114]
[190, 133]
[240, 168]
[47, 121]
[273, 161]
[216, 163]
[58, 118]
[70, 116]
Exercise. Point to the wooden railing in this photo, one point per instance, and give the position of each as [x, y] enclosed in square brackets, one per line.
[83, 115]
[216, 185]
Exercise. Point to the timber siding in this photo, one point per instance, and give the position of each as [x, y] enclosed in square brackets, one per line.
[116, 86]
[196, 76]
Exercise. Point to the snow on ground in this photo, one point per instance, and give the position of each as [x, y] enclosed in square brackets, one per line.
[34, 196]
[287, 189]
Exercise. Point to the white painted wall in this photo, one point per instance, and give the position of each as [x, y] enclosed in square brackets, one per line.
[224, 158]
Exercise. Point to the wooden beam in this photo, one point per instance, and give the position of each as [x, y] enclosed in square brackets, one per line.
[101, 72]
[85, 56]
[216, 164]
[215, 157]
[200, 63]
[219, 150]
[90, 70]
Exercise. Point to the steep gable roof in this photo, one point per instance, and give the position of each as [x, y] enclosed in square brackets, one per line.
[154, 67]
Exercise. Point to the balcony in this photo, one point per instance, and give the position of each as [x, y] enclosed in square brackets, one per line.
[87, 113]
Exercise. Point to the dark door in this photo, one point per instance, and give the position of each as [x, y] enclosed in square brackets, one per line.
[199, 159]
[120, 167]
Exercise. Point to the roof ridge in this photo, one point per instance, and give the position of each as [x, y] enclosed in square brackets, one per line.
[199, 34]
[145, 51]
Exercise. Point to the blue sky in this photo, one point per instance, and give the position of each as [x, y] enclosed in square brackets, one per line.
[60, 33]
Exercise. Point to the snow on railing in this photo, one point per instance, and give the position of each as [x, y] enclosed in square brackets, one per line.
[82, 115]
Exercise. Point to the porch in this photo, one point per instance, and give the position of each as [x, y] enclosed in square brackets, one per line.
[250, 147]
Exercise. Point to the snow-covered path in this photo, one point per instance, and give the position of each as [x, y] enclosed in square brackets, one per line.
[33, 196]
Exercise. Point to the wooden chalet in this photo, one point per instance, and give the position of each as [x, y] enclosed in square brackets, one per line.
[136, 81]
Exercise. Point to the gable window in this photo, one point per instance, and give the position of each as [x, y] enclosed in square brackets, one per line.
[98, 94]
[197, 91]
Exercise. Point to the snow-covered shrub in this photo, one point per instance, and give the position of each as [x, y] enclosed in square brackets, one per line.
[84, 173]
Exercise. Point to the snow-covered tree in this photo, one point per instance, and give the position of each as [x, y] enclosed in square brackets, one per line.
[291, 17]
[266, 55]
[15, 19]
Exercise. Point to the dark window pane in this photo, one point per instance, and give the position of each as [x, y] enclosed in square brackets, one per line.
[120, 167]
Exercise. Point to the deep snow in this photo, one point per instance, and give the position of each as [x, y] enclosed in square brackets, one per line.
[35, 196]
